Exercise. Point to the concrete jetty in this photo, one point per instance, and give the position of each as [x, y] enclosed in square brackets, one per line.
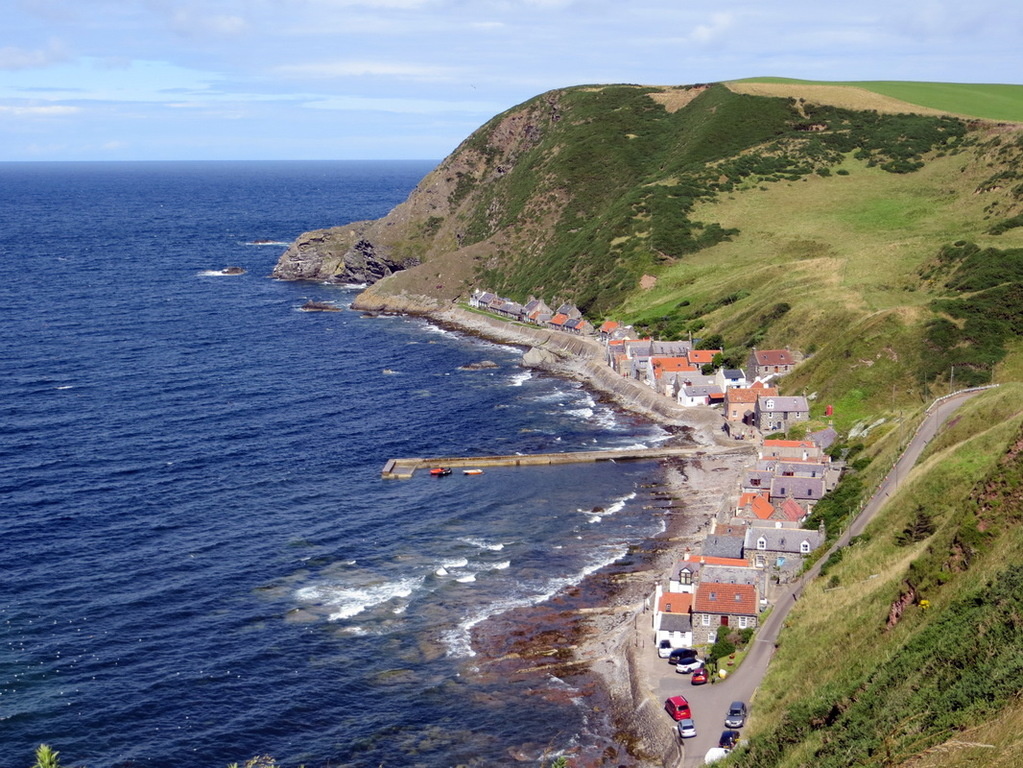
[405, 468]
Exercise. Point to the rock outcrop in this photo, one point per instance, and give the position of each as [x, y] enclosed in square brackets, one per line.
[339, 255]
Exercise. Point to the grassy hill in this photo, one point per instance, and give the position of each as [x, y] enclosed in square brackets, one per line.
[876, 232]
[985, 101]
[939, 684]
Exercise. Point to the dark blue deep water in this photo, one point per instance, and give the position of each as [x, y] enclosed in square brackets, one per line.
[199, 561]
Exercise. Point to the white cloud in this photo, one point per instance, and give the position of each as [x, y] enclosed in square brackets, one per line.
[406, 106]
[331, 69]
[712, 31]
[12, 58]
[53, 110]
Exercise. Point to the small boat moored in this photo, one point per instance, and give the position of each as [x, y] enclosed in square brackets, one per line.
[472, 471]
[440, 471]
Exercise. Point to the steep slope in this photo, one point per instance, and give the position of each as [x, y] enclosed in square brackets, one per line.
[697, 209]
[908, 647]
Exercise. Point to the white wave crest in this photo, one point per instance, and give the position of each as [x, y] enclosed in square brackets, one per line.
[467, 579]
[582, 413]
[503, 565]
[520, 378]
[458, 640]
[347, 601]
[483, 544]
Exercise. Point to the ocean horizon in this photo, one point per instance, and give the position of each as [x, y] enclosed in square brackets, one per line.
[203, 562]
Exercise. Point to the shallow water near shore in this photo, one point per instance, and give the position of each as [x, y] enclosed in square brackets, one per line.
[201, 561]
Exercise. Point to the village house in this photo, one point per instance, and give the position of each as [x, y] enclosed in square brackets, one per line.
[686, 573]
[721, 607]
[780, 547]
[741, 402]
[659, 366]
[769, 362]
[778, 413]
[730, 378]
[672, 619]
[792, 450]
[700, 394]
[702, 357]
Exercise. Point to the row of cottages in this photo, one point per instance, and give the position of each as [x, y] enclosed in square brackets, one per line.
[726, 586]
[566, 317]
[788, 479]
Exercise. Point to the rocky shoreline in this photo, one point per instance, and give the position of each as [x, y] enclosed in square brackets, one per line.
[599, 633]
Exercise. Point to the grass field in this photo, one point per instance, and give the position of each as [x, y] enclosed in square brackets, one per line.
[988, 101]
[844, 253]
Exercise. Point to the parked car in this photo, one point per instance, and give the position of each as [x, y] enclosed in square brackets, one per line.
[700, 676]
[714, 754]
[681, 654]
[688, 665]
[677, 707]
[686, 728]
[736, 717]
[728, 739]
[664, 649]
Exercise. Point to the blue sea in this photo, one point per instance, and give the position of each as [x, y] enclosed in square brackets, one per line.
[199, 560]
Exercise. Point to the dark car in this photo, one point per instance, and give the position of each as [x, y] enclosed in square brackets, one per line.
[682, 655]
[728, 739]
[736, 717]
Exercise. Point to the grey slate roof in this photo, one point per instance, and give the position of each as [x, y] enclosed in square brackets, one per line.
[806, 488]
[722, 546]
[676, 622]
[783, 539]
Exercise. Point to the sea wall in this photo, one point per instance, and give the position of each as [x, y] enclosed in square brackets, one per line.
[566, 354]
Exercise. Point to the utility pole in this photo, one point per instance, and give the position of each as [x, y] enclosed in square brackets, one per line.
[951, 378]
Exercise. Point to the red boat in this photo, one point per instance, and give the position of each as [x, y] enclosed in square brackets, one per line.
[440, 471]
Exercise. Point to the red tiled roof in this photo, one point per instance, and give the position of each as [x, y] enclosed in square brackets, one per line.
[702, 356]
[559, 319]
[734, 599]
[675, 602]
[750, 395]
[774, 357]
[790, 444]
[758, 503]
[792, 511]
[669, 364]
[608, 326]
[736, 562]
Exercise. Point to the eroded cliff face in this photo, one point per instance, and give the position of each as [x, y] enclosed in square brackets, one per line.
[339, 255]
[430, 227]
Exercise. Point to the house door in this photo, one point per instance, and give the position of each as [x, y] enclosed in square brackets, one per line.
[724, 621]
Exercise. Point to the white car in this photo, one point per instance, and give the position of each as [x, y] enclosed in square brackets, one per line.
[664, 649]
[686, 728]
[686, 666]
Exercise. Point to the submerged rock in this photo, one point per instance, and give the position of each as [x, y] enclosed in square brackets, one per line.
[320, 306]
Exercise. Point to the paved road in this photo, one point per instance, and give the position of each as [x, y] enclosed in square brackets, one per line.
[710, 702]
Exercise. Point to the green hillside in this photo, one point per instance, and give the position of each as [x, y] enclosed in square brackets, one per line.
[855, 682]
[870, 230]
[987, 101]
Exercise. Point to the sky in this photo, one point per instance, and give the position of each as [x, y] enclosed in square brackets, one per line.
[410, 79]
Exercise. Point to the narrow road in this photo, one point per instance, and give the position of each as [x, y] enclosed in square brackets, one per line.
[710, 702]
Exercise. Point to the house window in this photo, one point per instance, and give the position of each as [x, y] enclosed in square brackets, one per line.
[761, 543]
[743, 622]
[706, 619]
[685, 576]
[759, 561]
[804, 547]
[770, 405]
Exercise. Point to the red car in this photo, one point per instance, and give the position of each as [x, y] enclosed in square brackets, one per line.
[700, 676]
[678, 708]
